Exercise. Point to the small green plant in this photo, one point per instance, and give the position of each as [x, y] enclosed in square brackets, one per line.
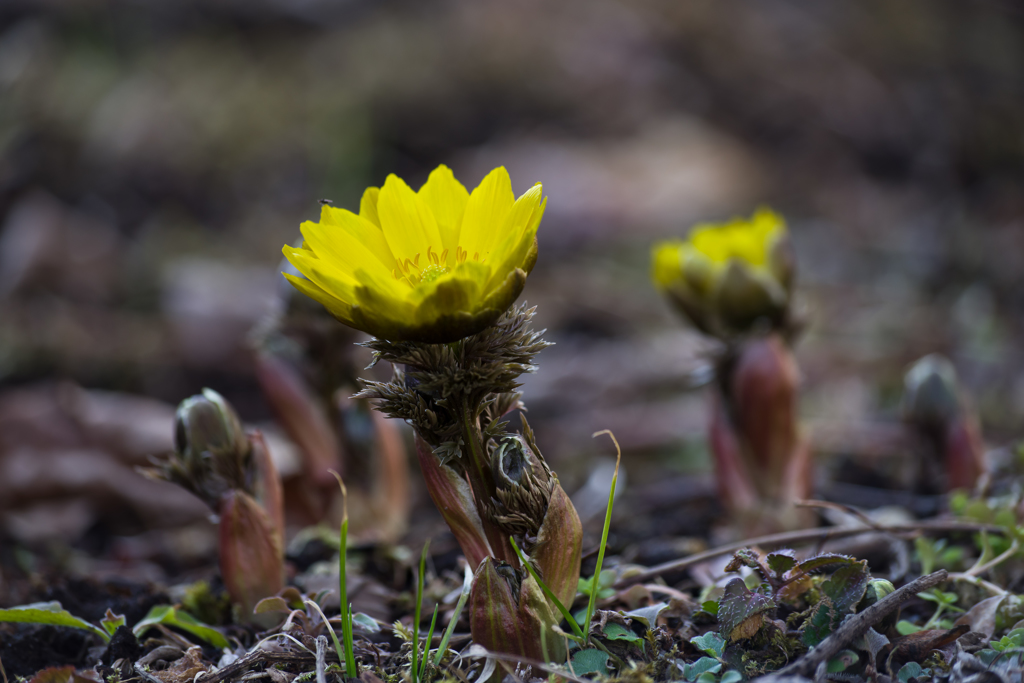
[467, 584]
[937, 554]
[594, 587]
[945, 601]
[604, 584]
[704, 670]
[351, 669]
[419, 665]
[53, 614]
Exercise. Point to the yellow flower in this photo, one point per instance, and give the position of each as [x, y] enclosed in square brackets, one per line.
[430, 266]
[726, 277]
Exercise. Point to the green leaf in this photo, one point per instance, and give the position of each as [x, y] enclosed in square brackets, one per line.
[912, 670]
[928, 552]
[706, 678]
[825, 560]
[710, 606]
[110, 622]
[746, 557]
[840, 594]
[874, 642]
[275, 603]
[781, 561]
[592, 661]
[738, 604]
[846, 586]
[49, 614]
[819, 623]
[366, 621]
[905, 628]
[937, 596]
[711, 642]
[169, 616]
[1009, 612]
[613, 631]
[704, 665]
[648, 616]
[843, 661]
[731, 676]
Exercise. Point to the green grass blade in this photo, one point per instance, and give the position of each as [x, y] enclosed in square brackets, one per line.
[467, 585]
[416, 617]
[595, 585]
[351, 670]
[426, 646]
[547, 591]
[334, 636]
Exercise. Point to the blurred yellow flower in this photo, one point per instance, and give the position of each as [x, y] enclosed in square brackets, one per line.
[725, 277]
[430, 266]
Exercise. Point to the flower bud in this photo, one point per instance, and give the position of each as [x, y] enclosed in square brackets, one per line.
[726, 278]
[745, 296]
[931, 393]
[531, 505]
[212, 452]
[935, 406]
[522, 486]
[876, 590]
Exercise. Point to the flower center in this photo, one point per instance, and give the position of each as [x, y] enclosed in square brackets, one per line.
[436, 265]
[432, 272]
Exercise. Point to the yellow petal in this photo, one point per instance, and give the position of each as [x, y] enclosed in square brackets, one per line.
[328, 213]
[338, 308]
[381, 303]
[666, 266]
[447, 199]
[449, 295]
[406, 220]
[351, 245]
[486, 210]
[368, 205]
[519, 243]
[339, 284]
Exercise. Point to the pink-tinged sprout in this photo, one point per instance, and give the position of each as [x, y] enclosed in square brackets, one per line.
[251, 552]
[384, 509]
[936, 407]
[392, 489]
[762, 460]
[233, 473]
[453, 498]
[301, 415]
[763, 396]
[267, 485]
[508, 612]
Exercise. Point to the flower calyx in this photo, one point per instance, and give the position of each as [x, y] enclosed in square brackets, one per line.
[435, 384]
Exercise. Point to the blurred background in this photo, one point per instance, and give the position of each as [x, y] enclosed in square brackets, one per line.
[155, 156]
